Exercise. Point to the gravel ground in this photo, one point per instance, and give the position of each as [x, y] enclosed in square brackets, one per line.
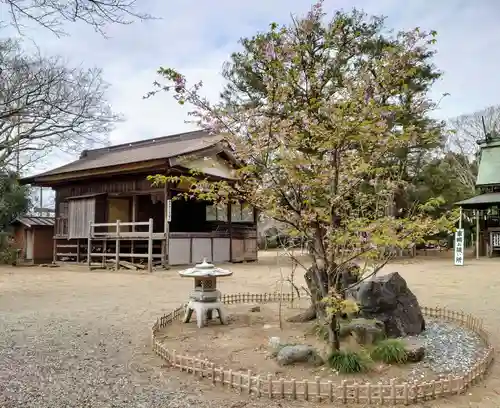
[73, 338]
[449, 349]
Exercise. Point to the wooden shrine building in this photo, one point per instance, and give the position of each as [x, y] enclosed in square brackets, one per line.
[486, 205]
[107, 210]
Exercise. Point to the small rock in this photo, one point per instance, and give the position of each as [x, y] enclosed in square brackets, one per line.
[274, 342]
[415, 350]
[255, 309]
[366, 331]
[267, 326]
[298, 354]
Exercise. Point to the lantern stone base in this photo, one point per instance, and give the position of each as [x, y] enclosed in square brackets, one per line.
[204, 312]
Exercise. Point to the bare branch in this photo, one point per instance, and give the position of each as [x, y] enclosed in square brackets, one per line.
[52, 14]
[46, 106]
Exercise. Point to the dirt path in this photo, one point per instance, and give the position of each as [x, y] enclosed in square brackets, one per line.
[73, 338]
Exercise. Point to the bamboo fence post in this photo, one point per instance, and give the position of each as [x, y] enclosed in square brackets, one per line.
[369, 393]
[306, 390]
[393, 391]
[212, 368]
[330, 391]
[294, 389]
[222, 376]
[249, 373]
[270, 386]
[240, 382]
[356, 392]
[206, 369]
[282, 388]
[318, 389]
[343, 391]
[258, 386]
[406, 394]
[381, 393]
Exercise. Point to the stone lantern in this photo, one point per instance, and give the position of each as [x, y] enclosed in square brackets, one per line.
[205, 297]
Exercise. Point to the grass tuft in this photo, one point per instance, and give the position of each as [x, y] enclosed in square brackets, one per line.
[348, 361]
[390, 351]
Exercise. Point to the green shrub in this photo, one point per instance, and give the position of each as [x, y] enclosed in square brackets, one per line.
[390, 351]
[348, 361]
[8, 254]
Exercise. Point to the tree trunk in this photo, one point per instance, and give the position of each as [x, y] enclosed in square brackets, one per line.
[333, 334]
[319, 281]
[306, 316]
[316, 295]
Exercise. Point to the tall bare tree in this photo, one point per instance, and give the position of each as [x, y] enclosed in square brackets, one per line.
[53, 14]
[44, 105]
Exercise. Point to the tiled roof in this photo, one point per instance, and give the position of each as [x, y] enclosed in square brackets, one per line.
[152, 149]
[36, 221]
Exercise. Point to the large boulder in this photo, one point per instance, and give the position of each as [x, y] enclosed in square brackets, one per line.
[298, 354]
[387, 298]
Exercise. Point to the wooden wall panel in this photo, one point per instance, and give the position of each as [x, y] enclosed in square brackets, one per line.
[221, 250]
[178, 251]
[238, 250]
[81, 212]
[202, 248]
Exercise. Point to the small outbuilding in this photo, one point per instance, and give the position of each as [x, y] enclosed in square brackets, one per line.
[33, 237]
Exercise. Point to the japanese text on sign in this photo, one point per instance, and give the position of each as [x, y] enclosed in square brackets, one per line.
[459, 247]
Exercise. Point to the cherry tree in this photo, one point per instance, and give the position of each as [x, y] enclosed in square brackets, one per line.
[324, 116]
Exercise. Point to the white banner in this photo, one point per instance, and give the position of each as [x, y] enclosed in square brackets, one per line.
[459, 247]
[169, 210]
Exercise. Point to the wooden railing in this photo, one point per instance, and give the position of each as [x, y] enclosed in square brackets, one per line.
[118, 235]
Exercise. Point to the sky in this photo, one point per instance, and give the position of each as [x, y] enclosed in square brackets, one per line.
[196, 37]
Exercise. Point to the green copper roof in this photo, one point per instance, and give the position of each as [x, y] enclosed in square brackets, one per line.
[489, 166]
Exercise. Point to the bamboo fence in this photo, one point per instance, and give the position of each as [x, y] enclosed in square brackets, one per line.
[326, 391]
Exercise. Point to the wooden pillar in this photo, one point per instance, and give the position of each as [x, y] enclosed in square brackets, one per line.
[78, 250]
[56, 222]
[54, 249]
[104, 251]
[134, 211]
[117, 255]
[134, 219]
[256, 241]
[167, 206]
[477, 234]
[150, 246]
[89, 245]
[230, 228]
